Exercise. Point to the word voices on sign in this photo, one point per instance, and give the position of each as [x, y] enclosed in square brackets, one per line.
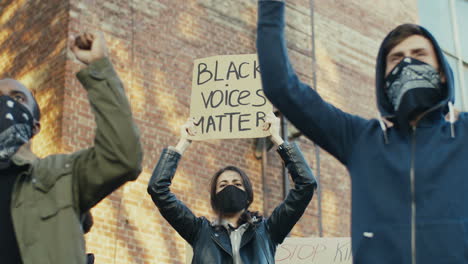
[233, 98]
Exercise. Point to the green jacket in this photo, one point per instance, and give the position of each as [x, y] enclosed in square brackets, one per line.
[51, 193]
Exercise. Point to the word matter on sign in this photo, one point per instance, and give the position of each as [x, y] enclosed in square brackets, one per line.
[227, 98]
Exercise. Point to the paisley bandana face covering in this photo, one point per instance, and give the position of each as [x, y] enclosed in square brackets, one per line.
[413, 87]
[16, 125]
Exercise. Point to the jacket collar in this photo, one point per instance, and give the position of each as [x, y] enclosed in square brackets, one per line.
[221, 237]
[431, 119]
[248, 235]
[24, 156]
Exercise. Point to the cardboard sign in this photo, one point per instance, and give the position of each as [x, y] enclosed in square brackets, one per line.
[227, 98]
[314, 250]
[307, 250]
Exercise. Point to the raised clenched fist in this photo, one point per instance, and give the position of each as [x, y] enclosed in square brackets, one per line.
[84, 41]
[89, 47]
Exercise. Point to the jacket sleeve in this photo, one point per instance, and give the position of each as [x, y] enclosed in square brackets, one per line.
[285, 216]
[329, 127]
[117, 154]
[174, 211]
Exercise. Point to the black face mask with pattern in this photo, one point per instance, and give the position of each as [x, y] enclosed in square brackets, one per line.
[412, 87]
[231, 200]
[16, 127]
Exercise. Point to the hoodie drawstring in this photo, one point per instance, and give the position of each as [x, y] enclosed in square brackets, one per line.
[451, 119]
[383, 126]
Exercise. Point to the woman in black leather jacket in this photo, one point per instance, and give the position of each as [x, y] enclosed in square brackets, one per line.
[237, 236]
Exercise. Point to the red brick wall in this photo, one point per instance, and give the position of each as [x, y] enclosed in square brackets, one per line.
[153, 44]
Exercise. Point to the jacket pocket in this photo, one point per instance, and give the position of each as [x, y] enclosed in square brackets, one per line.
[442, 242]
[51, 209]
[58, 198]
[59, 227]
[41, 208]
[50, 171]
[383, 244]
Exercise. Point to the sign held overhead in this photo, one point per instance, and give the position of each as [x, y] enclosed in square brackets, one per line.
[227, 98]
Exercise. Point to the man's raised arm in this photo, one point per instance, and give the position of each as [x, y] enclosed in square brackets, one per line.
[329, 127]
[116, 155]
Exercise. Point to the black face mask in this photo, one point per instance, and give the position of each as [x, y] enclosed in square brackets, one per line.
[231, 200]
[16, 126]
[413, 87]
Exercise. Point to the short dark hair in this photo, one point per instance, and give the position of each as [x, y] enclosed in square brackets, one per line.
[399, 34]
[245, 180]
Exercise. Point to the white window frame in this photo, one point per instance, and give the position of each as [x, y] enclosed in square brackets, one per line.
[458, 55]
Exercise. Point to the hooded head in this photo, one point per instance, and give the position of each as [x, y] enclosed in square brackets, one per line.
[408, 40]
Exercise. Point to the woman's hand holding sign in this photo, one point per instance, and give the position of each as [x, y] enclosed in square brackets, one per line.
[273, 124]
[188, 129]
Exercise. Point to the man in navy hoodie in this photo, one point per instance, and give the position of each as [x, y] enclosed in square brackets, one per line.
[409, 182]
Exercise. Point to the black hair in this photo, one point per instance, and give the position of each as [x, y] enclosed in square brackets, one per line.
[247, 216]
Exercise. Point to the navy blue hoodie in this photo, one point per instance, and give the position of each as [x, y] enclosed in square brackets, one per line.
[409, 188]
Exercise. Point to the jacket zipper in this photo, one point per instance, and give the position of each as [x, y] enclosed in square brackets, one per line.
[413, 198]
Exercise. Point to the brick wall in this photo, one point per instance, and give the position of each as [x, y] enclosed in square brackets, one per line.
[153, 44]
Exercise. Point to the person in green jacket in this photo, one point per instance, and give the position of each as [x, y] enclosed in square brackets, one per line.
[42, 199]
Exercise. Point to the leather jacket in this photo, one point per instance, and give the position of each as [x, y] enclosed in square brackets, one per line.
[210, 243]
